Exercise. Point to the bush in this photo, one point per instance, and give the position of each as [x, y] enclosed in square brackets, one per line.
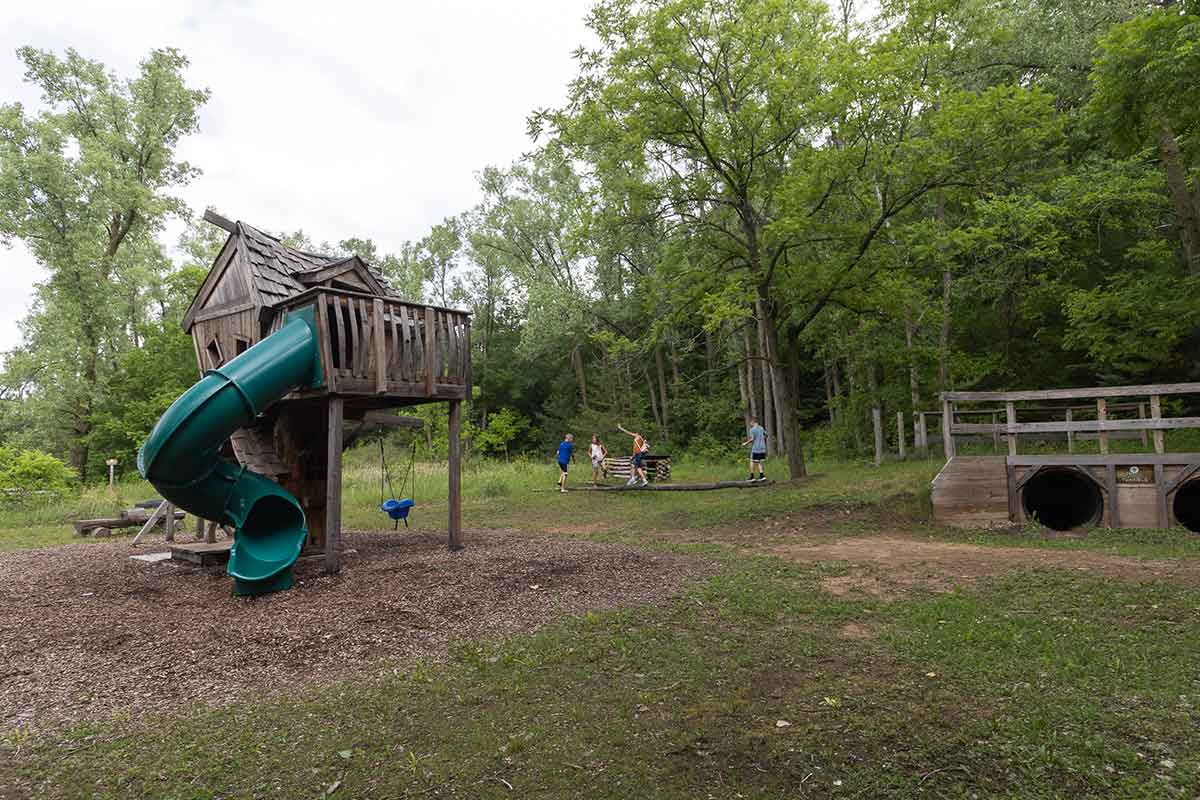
[25, 472]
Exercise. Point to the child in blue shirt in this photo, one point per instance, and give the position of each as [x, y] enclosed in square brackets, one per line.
[566, 454]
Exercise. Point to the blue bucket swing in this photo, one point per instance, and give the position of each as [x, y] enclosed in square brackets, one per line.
[396, 509]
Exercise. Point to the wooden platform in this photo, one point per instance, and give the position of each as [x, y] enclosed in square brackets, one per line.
[675, 487]
[202, 553]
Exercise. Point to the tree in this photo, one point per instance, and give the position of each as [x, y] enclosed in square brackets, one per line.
[85, 184]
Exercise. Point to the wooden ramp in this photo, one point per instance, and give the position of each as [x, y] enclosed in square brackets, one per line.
[676, 487]
[203, 553]
[972, 492]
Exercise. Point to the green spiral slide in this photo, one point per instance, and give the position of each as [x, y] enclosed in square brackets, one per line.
[181, 460]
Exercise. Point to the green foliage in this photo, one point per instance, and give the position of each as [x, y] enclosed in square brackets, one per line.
[26, 472]
[503, 427]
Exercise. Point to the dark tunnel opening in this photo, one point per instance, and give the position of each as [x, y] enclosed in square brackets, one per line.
[1063, 499]
[1187, 505]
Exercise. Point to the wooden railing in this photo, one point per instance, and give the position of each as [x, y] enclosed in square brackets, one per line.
[1102, 426]
[383, 346]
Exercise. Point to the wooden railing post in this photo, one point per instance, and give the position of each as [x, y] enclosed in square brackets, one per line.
[1156, 414]
[1070, 433]
[947, 428]
[1101, 416]
[381, 365]
[430, 349]
[1010, 413]
[1142, 415]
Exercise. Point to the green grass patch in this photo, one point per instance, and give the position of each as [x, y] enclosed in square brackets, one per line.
[1042, 684]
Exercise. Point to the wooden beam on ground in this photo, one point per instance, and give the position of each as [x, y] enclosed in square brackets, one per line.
[333, 487]
[677, 487]
[214, 218]
[454, 429]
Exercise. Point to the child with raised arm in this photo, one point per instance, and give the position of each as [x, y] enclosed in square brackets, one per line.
[756, 437]
[636, 470]
[566, 454]
[598, 452]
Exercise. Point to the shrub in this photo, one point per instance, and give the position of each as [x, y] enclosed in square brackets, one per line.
[25, 472]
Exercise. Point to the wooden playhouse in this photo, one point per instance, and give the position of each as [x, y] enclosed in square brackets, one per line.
[377, 352]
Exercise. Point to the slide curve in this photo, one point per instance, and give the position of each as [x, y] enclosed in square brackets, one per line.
[180, 458]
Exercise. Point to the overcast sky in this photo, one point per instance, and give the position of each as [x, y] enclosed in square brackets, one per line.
[343, 119]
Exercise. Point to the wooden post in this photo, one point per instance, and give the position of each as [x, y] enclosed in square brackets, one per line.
[1142, 415]
[995, 434]
[947, 427]
[333, 487]
[112, 465]
[454, 540]
[210, 532]
[924, 435]
[381, 365]
[1010, 413]
[900, 434]
[199, 528]
[1156, 413]
[1070, 433]
[169, 524]
[1102, 415]
[877, 426]
[430, 349]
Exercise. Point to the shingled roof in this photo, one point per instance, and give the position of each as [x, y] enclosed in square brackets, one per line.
[276, 268]
[275, 271]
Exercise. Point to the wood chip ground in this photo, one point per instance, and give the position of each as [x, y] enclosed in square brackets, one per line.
[86, 632]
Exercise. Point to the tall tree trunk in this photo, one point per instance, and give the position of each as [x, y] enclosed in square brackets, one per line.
[829, 391]
[746, 413]
[676, 381]
[914, 376]
[580, 377]
[748, 365]
[1187, 215]
[785, 407]
[653, 401]
[663, 401]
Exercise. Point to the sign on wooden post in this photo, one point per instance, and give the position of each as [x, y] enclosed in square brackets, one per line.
[112, 463]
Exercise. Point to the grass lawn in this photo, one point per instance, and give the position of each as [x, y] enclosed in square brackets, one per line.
[758, 682]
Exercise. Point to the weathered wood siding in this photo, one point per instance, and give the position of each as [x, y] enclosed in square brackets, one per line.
[972, 492]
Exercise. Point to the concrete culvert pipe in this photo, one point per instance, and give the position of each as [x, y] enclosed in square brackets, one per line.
[1063, 499]
[1187, 505]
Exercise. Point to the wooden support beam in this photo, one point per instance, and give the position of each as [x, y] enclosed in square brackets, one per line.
[333, 487]
[1070, 433]
[924, 428]
[995, 435]
[214, 218]
[169, 524]
[392, 420]
[1084, 426]
[150, 523]
[454, 428]
[877, 426]
[1010, 412]
[1102, 416]
[1147, 390]
[900, 435]
[1110, 484]
[1156, 414]
[947, 427]
[1142, 415]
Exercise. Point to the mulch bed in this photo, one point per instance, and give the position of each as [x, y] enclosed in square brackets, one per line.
[86, 632]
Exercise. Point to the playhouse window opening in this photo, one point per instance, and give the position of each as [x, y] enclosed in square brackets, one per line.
[1062, 499]
[1186, 505]
[215, 357]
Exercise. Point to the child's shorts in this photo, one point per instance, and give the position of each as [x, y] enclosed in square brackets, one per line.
[563, 466]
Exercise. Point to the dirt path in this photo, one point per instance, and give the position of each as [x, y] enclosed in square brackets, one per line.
[86, 632]
[886, 565]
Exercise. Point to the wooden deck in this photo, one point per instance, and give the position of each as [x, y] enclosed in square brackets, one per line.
[202, 553]
[385, 347]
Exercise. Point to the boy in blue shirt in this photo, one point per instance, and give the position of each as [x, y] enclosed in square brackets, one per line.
[566, 454]
[756, 437]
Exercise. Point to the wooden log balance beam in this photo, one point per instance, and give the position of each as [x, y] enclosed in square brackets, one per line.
[677, 487]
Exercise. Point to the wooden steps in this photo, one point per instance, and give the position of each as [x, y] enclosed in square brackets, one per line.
[203, 553]
[972, 492]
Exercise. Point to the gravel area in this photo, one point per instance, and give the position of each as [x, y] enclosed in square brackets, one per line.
[86, 632]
